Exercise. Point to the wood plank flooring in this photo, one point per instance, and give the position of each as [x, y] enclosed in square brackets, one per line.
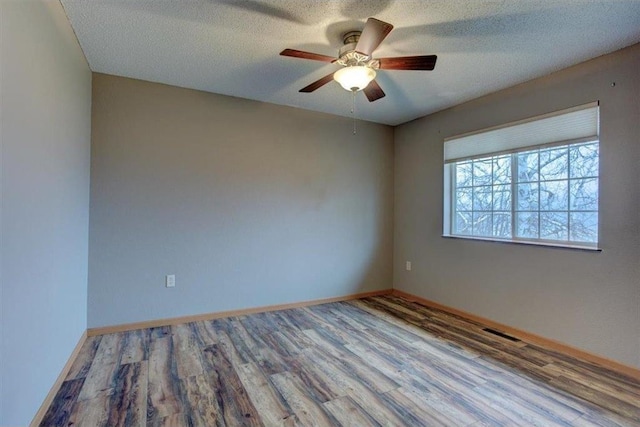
[380, 361]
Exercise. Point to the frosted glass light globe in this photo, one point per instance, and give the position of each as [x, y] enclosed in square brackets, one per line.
[354, 78]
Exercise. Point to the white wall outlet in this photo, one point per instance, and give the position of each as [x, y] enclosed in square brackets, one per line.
[170, 280]
[408, 266]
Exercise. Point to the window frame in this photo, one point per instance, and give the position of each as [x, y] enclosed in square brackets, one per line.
[450, 192]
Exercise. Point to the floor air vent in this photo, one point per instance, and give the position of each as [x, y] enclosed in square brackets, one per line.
[500, 334]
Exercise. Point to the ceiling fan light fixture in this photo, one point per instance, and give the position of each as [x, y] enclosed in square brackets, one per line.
[354, 78]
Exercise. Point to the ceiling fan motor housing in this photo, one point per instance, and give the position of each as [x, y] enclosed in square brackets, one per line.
[349, 57]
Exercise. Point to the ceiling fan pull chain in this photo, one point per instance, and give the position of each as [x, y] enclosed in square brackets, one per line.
[353, 109]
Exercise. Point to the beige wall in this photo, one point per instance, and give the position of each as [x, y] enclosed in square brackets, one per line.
[248, 204]
[590, 300]
[45, 144]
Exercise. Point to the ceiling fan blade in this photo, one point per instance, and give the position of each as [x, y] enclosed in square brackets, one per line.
[425, 62]
[372, 35]
[373, 91]
[317, 84]
[307, 55]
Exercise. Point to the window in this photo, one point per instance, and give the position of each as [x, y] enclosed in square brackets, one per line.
[500, 186]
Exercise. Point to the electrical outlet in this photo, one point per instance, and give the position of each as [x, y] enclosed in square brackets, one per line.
[408, 266]
[170, 280]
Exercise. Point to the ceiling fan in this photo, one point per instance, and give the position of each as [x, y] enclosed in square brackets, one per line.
[359, 67]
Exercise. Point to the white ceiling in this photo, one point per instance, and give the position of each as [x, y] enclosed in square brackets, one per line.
[231, 47]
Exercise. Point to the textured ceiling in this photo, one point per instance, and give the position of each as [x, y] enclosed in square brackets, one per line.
[231, 47]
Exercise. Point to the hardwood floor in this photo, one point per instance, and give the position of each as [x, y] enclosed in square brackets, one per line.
[377, 361]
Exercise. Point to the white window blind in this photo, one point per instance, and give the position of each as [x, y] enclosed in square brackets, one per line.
[577, 124]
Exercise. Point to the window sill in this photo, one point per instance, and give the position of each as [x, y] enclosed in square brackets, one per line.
[527, 242]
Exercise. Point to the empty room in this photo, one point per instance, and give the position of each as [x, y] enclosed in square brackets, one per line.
[320, 213]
